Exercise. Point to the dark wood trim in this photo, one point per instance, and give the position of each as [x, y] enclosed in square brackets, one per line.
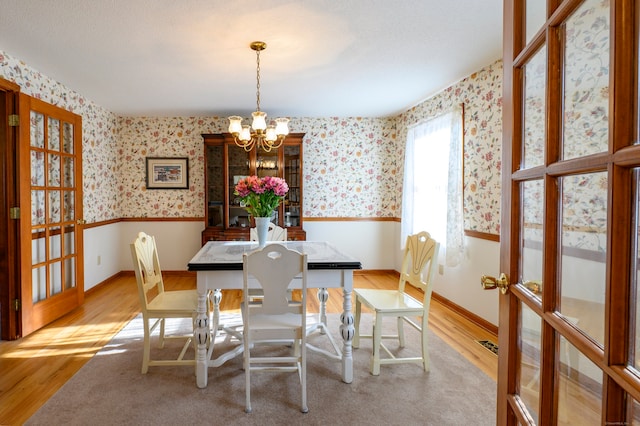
[351, 219]
[310, 219]
[477, 320]
[162, 219]
[101, 223]
[482, 235]
[8, 85]
[374, 272]
[142, 219]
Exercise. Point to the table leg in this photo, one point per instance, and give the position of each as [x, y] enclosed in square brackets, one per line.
[323, 296]
[201, 335]
[347, 330]
[216, 298]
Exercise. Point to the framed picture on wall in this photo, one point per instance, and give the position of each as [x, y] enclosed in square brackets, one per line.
[167, 173]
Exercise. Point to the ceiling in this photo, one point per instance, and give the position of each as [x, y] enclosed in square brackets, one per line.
[324, 58]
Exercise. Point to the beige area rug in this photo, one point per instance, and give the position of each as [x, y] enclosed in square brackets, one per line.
[110, 390]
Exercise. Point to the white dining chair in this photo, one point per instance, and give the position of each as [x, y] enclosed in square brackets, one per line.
[157, 304]
[418, 268]
[275, 233]
[274, 320]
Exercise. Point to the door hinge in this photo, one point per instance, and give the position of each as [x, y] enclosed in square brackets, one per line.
[14, 213]
[14, 120]
[16, 304]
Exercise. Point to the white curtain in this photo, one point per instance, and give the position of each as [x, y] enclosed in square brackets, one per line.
[432, 190]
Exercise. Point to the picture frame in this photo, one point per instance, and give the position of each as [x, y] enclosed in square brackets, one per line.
[167, 172]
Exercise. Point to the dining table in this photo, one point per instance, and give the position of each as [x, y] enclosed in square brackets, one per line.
[218, 266]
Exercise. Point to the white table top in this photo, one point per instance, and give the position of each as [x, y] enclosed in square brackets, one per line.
[227, 255]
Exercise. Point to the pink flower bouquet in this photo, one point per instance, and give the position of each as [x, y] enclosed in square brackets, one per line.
[261, 196]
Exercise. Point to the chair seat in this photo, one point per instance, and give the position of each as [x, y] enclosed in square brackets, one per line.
[388, 300]
[417, 270]
[175, 301]
[275, 322]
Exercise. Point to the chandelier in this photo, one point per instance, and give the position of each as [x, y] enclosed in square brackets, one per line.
[258, 134]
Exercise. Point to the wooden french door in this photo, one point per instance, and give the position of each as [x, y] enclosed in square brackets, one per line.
[50, 166]
[569, 332]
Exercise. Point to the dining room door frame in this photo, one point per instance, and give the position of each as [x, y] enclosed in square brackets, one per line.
[9, 225]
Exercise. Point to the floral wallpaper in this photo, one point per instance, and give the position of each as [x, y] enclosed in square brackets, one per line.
[481, 95]
[585, 126]
[352, 166]
[98, 136]
[349, 165]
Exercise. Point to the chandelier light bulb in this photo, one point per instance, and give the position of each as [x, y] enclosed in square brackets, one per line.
[259, 123]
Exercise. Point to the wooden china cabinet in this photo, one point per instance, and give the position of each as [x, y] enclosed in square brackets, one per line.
[226, 163]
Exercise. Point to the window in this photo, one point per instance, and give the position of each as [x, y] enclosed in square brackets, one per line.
[432, 191]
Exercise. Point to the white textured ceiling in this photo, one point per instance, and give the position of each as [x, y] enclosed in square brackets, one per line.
[368, 58]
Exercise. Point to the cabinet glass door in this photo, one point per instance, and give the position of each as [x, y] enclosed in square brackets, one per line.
[215, 184]
[292, 171]
[239, 167]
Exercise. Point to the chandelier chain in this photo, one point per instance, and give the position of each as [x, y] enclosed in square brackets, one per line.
[258, 80]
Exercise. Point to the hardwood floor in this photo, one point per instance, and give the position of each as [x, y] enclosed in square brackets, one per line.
[32, 369]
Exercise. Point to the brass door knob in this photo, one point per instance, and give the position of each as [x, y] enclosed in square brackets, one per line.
[489, 283]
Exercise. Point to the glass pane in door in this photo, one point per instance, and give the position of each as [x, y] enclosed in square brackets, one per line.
[531, 240]
[535, 85]
[634, 345]
[536, 15]
[586, 80]
[55, 277]
[36, 129]
[37, 168]
[634, 411]
[530, 336]
[67, 172]
[69, 273]
[38, 246]
[69, 213]
[54, 170]
[37, 207]
[55, 206]
[583, 251]
[54, 134]
[579, 388]
[55, 243]
[38, 284]
[67, 138]
[69, 240]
